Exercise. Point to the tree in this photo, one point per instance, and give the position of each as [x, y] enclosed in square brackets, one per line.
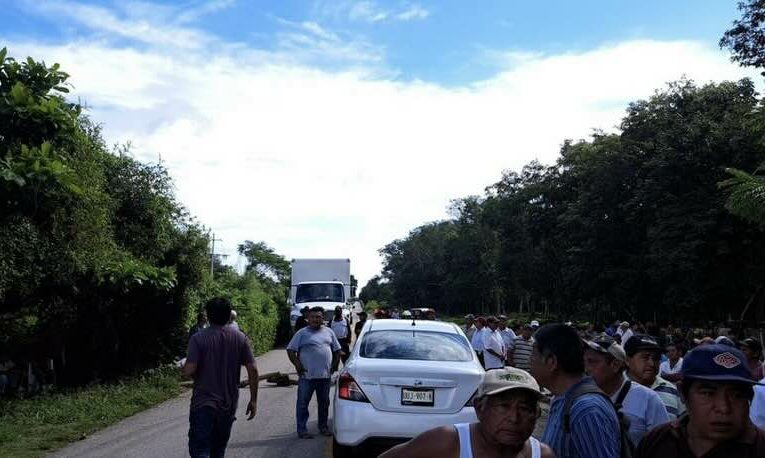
[265, 262]
[378, 290]
[746, 194]
[746, 38]
[622, 225]
[98, 257]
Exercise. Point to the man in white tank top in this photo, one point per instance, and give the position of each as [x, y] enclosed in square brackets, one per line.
[506, 405]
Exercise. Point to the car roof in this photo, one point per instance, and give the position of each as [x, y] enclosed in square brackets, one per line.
[419, 325]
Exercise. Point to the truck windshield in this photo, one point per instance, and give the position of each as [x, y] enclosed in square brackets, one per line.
[319, 292]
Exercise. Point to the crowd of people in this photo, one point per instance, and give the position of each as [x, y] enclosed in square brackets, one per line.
[620, 391]
[614, 391]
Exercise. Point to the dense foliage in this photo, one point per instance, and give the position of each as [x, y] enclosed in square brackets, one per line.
[99, 258]
[632, 224]
[102, 270]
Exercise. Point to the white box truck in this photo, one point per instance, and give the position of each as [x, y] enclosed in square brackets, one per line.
[325, 283]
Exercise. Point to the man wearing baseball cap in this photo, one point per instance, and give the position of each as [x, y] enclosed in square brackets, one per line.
[506, 405]
[643, 358]
[604, 362]
[468, 328]
[717, 387]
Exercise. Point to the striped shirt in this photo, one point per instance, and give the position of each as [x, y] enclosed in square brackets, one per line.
[669, 396]
[595, 431]
[521, 349]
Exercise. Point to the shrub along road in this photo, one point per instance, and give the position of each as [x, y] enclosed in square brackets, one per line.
[162, 430]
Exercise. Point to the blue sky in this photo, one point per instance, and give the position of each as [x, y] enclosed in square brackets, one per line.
[329, 128]
[446, 41]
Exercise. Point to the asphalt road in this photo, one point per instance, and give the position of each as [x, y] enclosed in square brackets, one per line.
[162, 430]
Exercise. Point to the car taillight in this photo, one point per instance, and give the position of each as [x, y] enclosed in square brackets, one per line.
[470, 401]
[348, 389]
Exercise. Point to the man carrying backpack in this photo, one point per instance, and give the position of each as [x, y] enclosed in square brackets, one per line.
[640, 408]
[582, 422]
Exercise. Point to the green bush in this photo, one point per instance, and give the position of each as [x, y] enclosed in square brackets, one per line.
[259, 306]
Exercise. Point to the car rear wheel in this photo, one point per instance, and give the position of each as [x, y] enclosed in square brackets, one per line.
[341, 451]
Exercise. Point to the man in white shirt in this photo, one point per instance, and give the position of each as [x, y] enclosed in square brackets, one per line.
[669, 370]
[477, 340]
[342, 329]
[493, 346]
[604, 361]
[507, 334]
[468, 328]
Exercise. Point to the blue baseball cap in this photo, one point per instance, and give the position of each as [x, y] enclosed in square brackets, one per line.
[717, 362]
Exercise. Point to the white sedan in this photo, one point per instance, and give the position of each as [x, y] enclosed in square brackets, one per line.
[403, 377]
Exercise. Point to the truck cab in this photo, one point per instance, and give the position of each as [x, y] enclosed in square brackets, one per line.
[321, 283]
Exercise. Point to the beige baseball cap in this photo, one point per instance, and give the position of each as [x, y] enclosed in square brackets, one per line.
[606, 344]
[510, 378]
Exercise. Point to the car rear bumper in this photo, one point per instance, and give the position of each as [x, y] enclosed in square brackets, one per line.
[355, 422]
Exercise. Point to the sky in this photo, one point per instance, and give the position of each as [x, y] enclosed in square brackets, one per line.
[331, 128]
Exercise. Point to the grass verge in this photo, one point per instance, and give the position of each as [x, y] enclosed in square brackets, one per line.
[36, 426]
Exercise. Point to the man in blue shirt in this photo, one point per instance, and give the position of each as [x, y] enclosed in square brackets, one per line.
[557, 362]
[604, 361]
[315, 353]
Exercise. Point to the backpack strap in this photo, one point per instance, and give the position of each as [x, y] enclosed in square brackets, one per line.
[584, 388]
[622, 394]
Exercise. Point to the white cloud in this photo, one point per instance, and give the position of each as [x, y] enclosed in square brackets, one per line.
[414, 12]
[309, 42]
[369, 11]
[339, 163]
[137, 25]
[145, 22]
[205, 8]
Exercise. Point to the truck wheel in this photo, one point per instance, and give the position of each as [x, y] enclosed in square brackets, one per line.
[341, 451]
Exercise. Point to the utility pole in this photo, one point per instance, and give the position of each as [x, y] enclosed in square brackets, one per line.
[212, 254]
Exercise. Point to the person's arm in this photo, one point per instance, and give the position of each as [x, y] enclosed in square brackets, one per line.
[252, 377]
[189, 368]
[336, 350]
[547, 452]
[335, 361]
[292, 352]
[510, 349]
[442, 442]
[295, 360]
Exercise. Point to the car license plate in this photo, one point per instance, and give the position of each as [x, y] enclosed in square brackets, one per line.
[416, 397]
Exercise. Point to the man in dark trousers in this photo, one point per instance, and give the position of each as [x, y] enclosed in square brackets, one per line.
[315, 353]
[215, 357]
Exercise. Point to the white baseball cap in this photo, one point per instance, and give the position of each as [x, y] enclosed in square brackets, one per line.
[510, 378]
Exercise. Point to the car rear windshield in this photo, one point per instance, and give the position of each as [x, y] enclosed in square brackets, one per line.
[415, 345]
